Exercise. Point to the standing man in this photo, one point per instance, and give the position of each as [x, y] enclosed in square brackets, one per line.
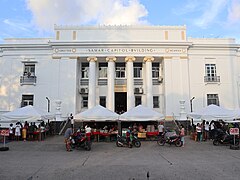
[160, 129]
[68, 133]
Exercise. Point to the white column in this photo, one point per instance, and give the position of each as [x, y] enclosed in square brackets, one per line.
[92, 82]
[130, 82]
[110, 83]
[149, 93]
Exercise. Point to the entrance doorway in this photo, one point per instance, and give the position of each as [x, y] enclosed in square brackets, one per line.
[120, 102]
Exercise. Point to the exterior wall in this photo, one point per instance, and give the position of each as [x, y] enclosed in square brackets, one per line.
[58, 66]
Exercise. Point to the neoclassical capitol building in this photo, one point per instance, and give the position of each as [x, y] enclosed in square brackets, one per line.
[120, 67]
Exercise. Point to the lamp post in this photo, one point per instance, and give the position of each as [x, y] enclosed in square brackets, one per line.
[191, 106]
[48, 106]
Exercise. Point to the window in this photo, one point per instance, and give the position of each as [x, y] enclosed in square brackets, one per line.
[212, 99]
[102, 101]
[84, 101]
[85, 69]
[27, 100]
[211, 73]
[155, 102]
[29, 70]
[138, 100]
[137, 68]
[155, 70]
[120, 70]
[102, 70]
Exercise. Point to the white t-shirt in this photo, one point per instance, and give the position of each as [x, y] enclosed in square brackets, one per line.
[160, 128]
[88, 130]
[206, 127]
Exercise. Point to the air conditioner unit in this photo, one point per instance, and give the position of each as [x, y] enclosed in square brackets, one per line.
[83, 90]
[160, 79]
[138, 90]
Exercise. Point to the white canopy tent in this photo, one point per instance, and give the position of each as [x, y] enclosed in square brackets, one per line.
[141, 113]
[27, 113]
[213, 112]
[97, 113]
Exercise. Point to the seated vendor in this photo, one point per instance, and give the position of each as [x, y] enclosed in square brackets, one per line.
[140, 128]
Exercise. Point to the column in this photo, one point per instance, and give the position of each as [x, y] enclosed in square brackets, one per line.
[92, 82]
[110, 83]
[149, 93]
[130, 82]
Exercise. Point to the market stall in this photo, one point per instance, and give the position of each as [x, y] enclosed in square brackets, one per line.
[142, 119]
[104, 123]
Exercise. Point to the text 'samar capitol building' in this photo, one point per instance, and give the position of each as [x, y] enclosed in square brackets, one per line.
[120, 67]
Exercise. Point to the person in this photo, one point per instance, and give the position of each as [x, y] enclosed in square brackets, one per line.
[18, 131]
[206, 135]
[11, 132]
[129, 136]
[71, 120]
[67, 134]
[182, 134]
[88, 131]
[199, 132]
[160, 129]
[24, 131]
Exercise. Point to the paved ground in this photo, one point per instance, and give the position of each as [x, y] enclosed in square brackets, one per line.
[49, 160]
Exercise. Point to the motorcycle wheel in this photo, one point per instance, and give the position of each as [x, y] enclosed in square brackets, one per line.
[137, 144]
[118, 144]
[215, 142]
[88, 146]
[178, 143]
[161, 142]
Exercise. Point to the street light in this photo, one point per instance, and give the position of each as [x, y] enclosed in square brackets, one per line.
[48, 107]
[191, 106]
[191, 103]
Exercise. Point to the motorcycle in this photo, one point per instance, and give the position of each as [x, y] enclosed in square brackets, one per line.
[224, 138]
[122, 141]
[175, 139]
[79, 140]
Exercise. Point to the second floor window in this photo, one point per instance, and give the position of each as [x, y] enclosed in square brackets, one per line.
[138, 100]
[137, 70]
[85, 70]
[102, 70]
[120, 70]
[155, 70]
[29, 70]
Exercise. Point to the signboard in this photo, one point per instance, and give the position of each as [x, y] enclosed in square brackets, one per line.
[234, 131]
[4, 132]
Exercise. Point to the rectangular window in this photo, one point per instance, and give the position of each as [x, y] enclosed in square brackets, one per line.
[155, 102]
[155, 70]
[27, 100]
[212, 99]
[102, 101]
[85, 70]
[120, 70]
[211, 73]
[137, 70]
[29, 70]
[84, 101]
[138, 100]
[102, 70]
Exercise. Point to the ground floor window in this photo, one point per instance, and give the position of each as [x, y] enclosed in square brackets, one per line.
[155, 102]
[138, 100]
[27, 100]
[212, 99]
[102, 101]
[84, 101]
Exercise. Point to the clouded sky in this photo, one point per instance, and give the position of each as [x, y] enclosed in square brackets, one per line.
[36, 18]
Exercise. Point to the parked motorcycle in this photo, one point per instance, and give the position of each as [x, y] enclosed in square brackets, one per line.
[79, 140]
[175, 139]
[223, 138]
[122, 141]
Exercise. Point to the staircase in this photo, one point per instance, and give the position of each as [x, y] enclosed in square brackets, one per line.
[171, 125]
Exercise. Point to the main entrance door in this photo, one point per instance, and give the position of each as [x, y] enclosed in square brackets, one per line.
[120, 102]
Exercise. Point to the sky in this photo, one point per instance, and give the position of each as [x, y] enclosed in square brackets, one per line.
[203, 18]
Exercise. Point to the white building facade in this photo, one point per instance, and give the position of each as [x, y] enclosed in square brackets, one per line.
[119, 67]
